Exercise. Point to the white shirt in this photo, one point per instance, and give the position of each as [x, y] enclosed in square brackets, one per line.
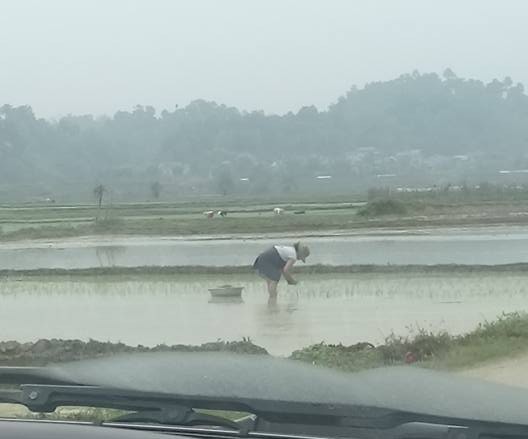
[286, 252]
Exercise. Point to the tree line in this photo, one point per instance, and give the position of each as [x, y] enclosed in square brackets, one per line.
[211, 146]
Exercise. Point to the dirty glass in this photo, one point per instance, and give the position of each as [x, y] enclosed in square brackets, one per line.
[340, 184]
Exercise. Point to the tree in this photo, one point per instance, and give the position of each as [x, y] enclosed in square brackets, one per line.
[224, 181]
[155, 189]
[99, 192]
[449, 74]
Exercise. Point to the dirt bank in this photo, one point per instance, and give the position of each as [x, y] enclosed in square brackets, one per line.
[511, 371]
[46, 351]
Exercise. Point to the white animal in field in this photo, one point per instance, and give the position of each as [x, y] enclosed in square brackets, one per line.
[209, 213]
[278, 211]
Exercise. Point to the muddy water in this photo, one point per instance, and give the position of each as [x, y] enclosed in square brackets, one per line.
[346, 309]
[459, 246]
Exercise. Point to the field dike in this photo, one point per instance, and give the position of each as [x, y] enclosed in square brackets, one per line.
[503, 338]
[307, 269]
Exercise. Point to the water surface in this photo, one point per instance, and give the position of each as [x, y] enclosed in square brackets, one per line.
[345, 308]
[489, 246]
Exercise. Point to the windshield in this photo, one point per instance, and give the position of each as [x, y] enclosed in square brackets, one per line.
[337, 186]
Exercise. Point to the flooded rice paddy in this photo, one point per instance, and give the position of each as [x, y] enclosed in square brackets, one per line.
[331, 308]
[488, 246]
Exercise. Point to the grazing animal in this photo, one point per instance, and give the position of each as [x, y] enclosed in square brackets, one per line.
[278, 211]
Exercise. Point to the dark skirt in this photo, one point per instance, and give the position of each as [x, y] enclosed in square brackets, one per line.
[269, 264]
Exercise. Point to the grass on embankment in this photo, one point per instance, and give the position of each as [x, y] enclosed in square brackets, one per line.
[503, 338]
[175, 220]
[194, 225]
[257, 226]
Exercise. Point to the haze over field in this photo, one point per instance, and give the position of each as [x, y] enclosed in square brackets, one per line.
[192, 97]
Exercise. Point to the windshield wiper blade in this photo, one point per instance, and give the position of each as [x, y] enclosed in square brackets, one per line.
[46, 398]
[147, 407]
[272, 417]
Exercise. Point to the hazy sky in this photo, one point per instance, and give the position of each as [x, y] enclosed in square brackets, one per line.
[98, 56]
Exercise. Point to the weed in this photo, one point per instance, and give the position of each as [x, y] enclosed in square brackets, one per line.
[506, 336]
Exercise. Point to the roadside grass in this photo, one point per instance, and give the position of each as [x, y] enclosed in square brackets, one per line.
[347, 358]
[462, 356]
[503, 338]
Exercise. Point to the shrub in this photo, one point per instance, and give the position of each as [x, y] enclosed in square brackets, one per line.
[423, 345]
[508, 325]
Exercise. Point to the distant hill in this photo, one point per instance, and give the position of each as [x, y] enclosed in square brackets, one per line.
[418, 126]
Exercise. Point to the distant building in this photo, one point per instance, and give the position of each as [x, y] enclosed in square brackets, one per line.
[514, 171]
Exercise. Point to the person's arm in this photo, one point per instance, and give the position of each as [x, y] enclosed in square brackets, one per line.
[286, 272]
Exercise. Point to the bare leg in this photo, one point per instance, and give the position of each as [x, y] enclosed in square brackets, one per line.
[272, 288]
[272, 304]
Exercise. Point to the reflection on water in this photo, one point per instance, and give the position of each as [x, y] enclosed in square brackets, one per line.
[226, 300]
[345, 309]
[107, 256]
